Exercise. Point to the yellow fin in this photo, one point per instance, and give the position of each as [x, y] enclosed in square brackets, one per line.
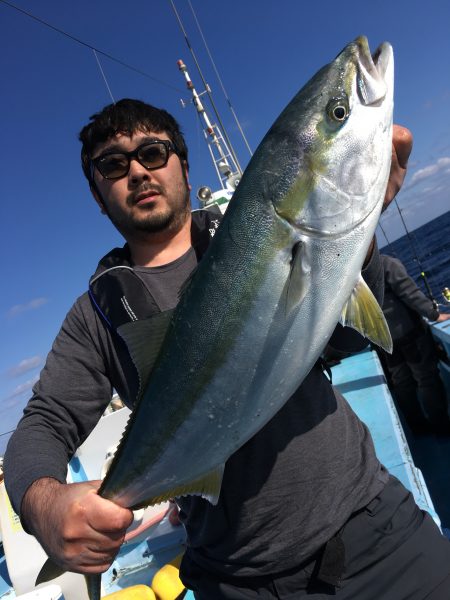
[363, 313]
[207, 486]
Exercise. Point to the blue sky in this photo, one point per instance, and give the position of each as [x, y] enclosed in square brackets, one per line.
[52, 233]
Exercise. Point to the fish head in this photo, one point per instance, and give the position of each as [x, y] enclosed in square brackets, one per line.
[337, 146]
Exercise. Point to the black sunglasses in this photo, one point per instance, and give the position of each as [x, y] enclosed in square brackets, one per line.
[151, 155]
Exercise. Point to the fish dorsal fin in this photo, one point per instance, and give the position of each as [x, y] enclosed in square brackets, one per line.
[144, 339]
[207, 486]
[363, 313]
[299, 277]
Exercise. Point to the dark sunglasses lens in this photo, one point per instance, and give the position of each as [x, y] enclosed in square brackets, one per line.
[153, 156]
[113, 165]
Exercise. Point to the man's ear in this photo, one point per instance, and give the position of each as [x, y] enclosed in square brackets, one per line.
[97, 198]
[186, 174]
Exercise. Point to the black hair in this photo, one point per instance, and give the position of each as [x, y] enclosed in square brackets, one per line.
[128, 116]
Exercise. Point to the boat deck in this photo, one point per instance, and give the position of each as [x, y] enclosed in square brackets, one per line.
[422, 464]
[360, 378]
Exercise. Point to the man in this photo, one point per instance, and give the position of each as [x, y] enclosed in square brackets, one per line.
[413, 364]
[305, 506]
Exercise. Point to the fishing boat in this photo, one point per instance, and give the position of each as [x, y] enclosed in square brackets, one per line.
[147, 565]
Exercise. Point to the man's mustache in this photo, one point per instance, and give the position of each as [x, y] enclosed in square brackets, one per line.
[142, 189]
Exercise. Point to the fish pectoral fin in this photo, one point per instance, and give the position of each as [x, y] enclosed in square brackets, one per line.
[207, 486]
[363, 313]
[144, 339]
[49, 571]
[299, 277]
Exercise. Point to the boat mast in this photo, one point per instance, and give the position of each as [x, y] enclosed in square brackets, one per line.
[226, 167]
[228, 170]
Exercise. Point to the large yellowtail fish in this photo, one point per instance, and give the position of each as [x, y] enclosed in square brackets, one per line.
[282, 270]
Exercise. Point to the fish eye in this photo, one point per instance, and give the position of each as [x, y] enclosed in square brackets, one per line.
[338, 109]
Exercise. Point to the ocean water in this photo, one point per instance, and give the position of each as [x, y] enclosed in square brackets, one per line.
[426, 248]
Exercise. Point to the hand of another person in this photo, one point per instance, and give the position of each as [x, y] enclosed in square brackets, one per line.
[79, 530]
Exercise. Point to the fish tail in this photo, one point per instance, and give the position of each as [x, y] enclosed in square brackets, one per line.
[50, 571]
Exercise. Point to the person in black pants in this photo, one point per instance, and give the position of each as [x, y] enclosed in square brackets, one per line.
[306, 508]
[413, 364]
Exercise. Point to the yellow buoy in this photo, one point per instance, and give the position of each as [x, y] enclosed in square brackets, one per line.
[135, 592]
[166, 582]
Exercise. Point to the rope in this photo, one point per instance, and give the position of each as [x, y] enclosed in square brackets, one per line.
[103, 75]
[75, 39]
[224, 133]
[220, 80]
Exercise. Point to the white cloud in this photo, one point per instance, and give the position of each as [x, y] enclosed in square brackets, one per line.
[24, 366]
[22, 389]
[418, 205]
[441, 165]
[31, 305]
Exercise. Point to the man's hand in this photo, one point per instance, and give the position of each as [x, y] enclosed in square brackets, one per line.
[443, 317]
[79, 530]
[402, 142]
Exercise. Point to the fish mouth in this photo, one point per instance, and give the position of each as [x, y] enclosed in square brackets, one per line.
[375, 71]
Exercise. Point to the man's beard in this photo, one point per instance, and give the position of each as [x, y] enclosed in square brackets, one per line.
[150, 221]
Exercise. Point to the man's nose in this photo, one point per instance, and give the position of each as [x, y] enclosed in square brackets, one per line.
[137, 172]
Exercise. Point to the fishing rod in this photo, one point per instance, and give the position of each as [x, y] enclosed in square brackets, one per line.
[415, 256]
[391, 250]
[7, 432]
[422, 270]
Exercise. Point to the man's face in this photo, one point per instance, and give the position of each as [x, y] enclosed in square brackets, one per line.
[143, 201]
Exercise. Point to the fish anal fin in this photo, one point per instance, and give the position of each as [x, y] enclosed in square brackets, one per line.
[207, 486]
[363, 313]
[299, 277]
[49, 571]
